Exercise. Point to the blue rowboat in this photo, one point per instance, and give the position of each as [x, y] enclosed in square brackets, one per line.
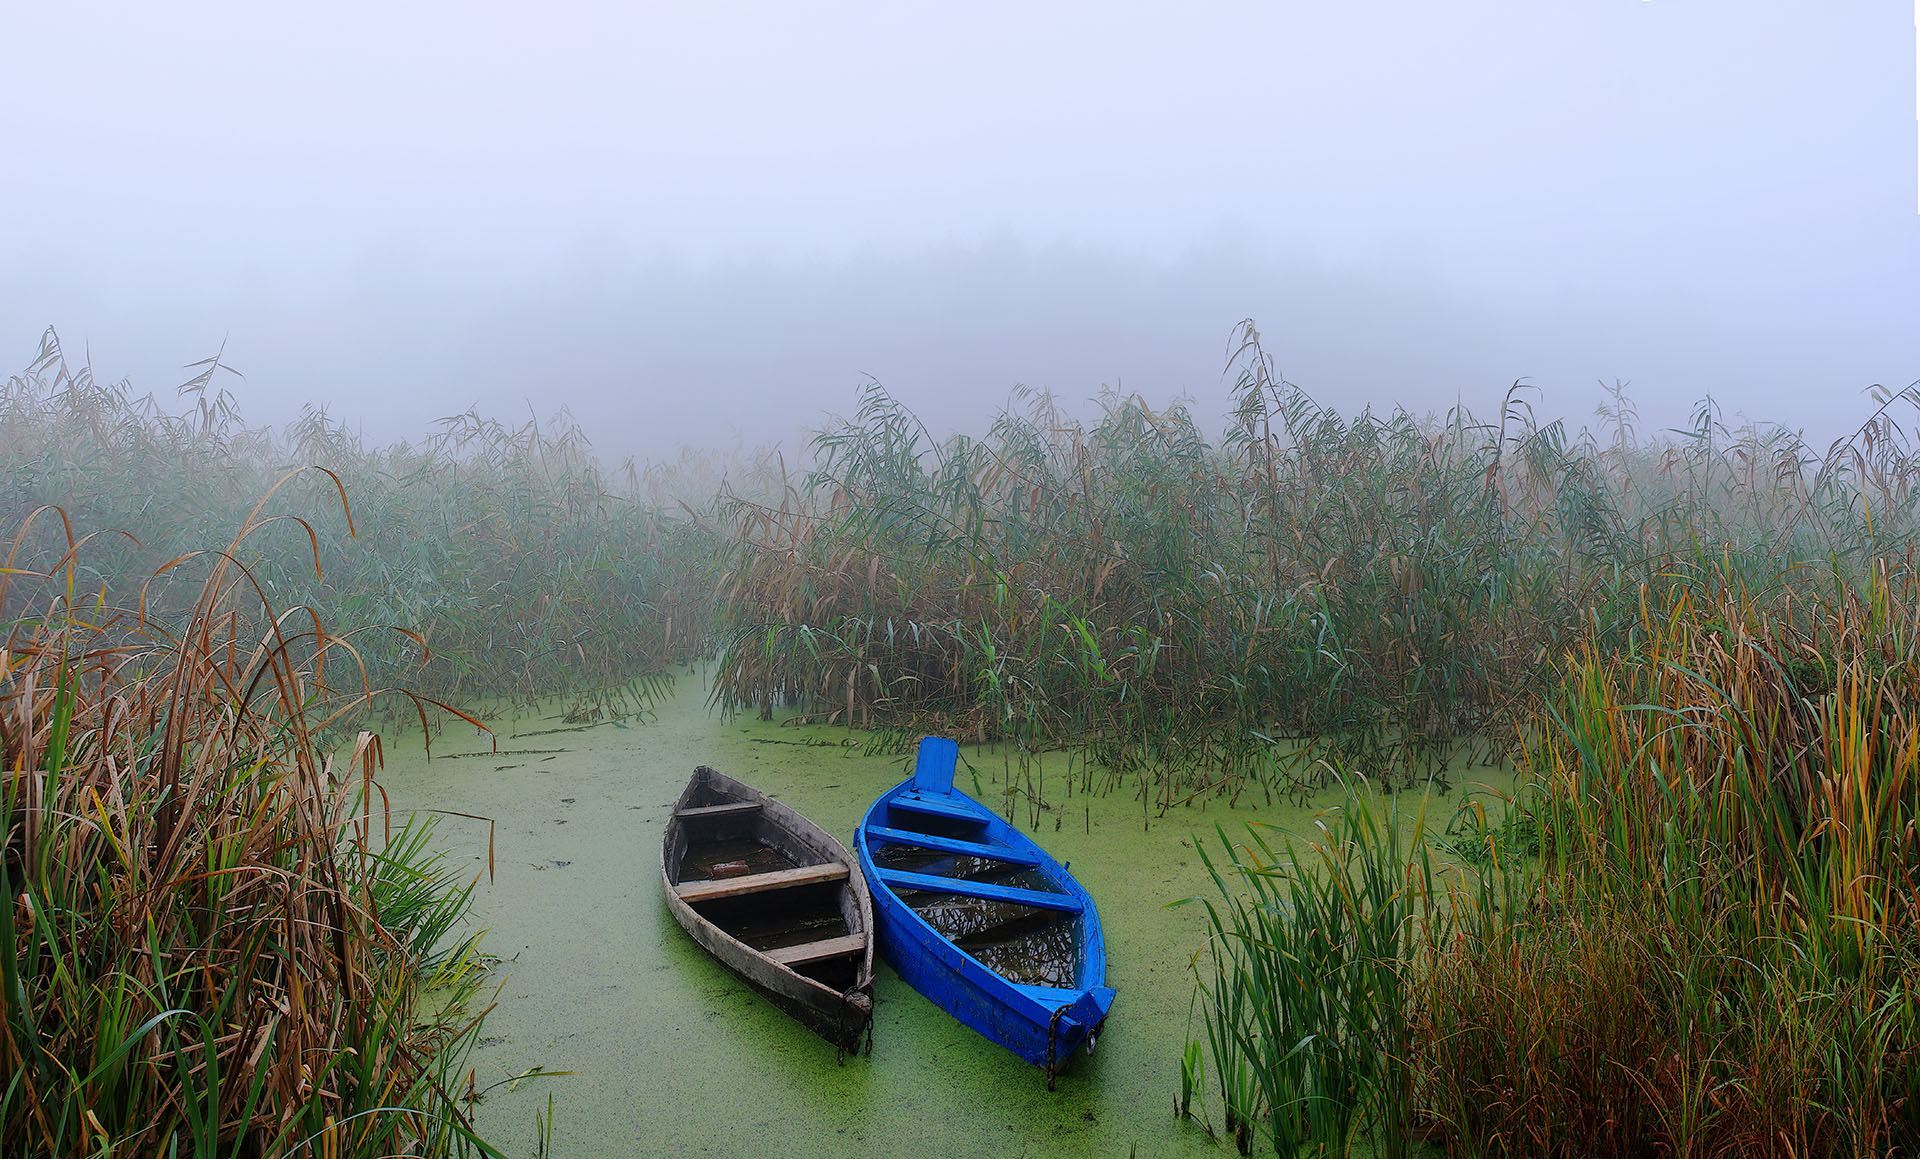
[981, 920]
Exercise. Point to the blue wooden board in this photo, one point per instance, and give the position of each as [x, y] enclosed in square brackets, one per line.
[943, 805]
[953, 845]
[933, 764]
[1037, 898]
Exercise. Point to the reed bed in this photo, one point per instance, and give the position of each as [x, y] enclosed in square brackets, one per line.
[1696, 932]
[1378, 594]
[211, 943]
[525, 567]
[1715, 952]
[1723, 955]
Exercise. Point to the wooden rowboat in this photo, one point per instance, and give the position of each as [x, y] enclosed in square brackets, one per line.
[980, 919]
[776, 899]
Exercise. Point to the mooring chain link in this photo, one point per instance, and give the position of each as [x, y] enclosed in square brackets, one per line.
[849, 999]
[1053, 1041]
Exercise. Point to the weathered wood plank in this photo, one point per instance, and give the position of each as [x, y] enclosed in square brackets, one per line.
[730, 809]
[1037, 898]
[694, 891]
[818, 951]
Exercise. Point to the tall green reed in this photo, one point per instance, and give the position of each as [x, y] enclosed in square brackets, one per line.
[524, 567]
[1370, 592]
[1313, 950]
[1724, 953]
[210, 944]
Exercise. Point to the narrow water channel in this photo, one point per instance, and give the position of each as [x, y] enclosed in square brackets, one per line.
[672, 1055]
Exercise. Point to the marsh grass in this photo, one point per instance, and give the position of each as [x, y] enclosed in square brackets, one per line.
[1724, 954]
[210, 943]
[1383, 594]
[523, 566]
[1694, 934]
[1698, 932]
[1309, 975]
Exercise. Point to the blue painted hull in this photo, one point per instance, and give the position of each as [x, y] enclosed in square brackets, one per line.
[1045, 1024]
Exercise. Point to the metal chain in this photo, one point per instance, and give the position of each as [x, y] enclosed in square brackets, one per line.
[848, 1001]
[1053, 1042]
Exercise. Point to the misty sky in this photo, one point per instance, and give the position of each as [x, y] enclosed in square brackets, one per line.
[696, 221]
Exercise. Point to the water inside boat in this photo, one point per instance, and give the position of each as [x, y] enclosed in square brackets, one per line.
[963, 828]
[775, 919]
[1024, 944]
[964, 866]
[700, 860]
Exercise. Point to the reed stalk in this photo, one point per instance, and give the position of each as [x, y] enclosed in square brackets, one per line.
[211, 943]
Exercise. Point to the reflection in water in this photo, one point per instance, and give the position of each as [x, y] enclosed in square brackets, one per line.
[963, 866]
[1049, 956]
[1035, 947]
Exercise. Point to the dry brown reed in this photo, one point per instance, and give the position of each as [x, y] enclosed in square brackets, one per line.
[211, 943]
[1371, 592]
[1722, 956]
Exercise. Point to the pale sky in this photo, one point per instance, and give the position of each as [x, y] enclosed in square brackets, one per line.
[685, 221]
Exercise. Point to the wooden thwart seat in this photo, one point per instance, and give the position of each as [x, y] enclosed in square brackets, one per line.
[1037, 898]
[818, 951]
[694, 891]
[730, 809]
[951, 845]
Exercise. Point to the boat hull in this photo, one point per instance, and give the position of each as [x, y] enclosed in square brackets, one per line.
[1044, 1020]
[750, 921]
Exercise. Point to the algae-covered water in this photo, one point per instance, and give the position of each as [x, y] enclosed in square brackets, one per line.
[672, 1055]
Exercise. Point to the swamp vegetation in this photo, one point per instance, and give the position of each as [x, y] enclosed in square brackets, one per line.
[1694, 929]
[212, 944]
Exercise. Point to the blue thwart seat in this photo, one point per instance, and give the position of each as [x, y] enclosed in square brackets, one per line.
[953, 845]
[933, 883]
[942, 807]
